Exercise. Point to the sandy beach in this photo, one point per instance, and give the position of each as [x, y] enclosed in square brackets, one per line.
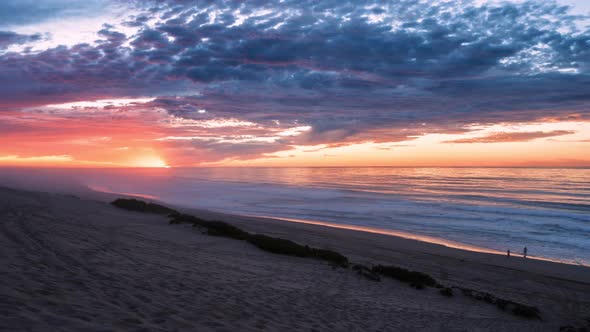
[79, 264]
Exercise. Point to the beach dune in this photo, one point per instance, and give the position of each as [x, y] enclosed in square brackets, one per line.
[74, 264]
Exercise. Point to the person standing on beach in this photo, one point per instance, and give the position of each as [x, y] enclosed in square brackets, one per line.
[524, 252]
[508, 253]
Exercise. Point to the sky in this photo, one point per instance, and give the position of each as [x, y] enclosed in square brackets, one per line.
[180, 83]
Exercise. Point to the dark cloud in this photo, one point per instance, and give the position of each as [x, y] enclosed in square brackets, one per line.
[513, 137]
[111, 36]
[8, 38]
[136, 21]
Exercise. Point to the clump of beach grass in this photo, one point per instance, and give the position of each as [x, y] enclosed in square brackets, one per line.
[416, 279]
[264, 242]
[132, 204]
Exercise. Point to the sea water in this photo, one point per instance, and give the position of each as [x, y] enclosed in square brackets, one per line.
[545, 209]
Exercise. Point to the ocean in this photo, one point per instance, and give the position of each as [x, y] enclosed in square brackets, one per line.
[494, 209]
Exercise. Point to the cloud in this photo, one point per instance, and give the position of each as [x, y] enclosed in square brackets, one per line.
[512, 137]
[22, 12]
[10, 159]
[201, 150]
[8, 38]
[383, 71]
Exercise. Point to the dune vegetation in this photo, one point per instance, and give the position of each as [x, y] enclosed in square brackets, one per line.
[267, 243]
[415, 279]
[141, 206]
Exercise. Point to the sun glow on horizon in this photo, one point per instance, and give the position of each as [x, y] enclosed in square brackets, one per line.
[524, 144]
[150, 162]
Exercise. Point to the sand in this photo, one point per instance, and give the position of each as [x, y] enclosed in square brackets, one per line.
[70, 264]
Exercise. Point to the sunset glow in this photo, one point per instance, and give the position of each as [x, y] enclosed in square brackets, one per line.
[149, 87]
[150, 162]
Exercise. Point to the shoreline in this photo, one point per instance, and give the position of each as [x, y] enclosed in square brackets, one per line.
[419, 238]
[294, 231]
[376, 230]
[101, 194]
[368, 229]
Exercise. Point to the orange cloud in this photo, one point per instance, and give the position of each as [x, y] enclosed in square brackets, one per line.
[15, 159]
[512, 137]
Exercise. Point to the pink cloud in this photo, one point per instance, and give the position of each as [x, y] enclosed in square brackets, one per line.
[512, 137]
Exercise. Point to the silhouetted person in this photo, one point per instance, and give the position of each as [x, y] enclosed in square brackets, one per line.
[524, 252]
[508, 253]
